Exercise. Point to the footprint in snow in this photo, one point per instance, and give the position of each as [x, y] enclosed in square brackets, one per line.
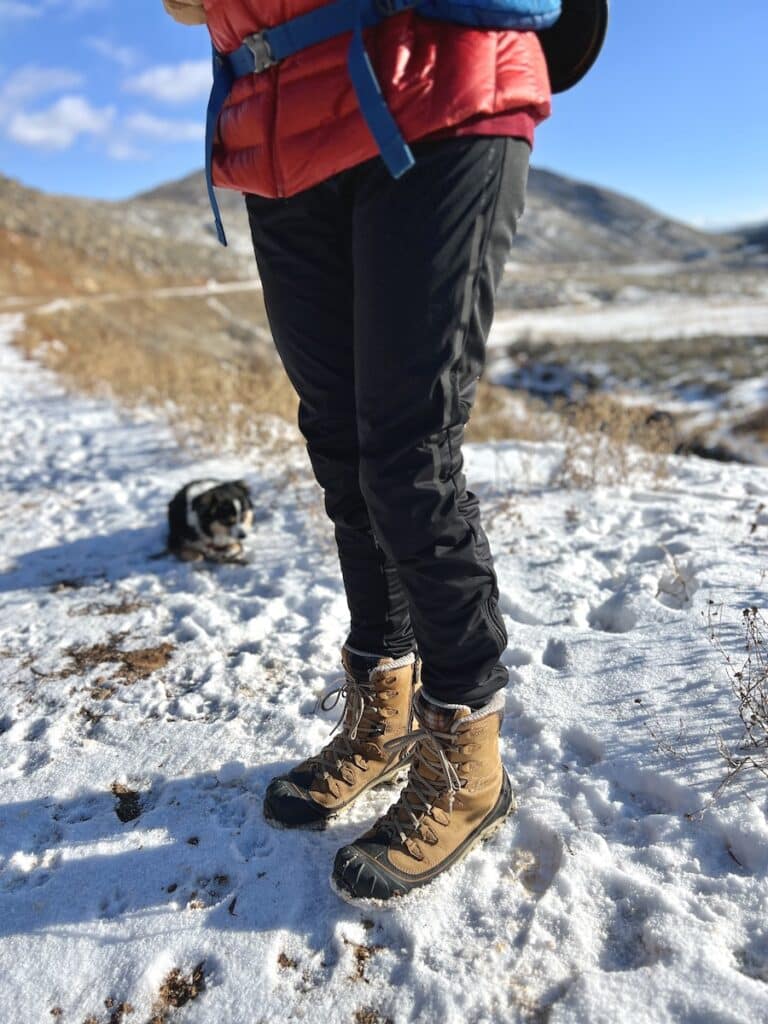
[555, 654]
[514, 657]
[616, 615]
[517, 613]
[114, 905]
[587, 749]
[537, 856]
[623, 944]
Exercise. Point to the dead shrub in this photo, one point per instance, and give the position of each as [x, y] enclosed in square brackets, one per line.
[748, 678]
[213, 402]
[606, 441]
[498, 415]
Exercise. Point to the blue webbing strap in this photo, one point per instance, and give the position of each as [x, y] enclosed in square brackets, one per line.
[394, 150]
[223, 78]
[297, 34]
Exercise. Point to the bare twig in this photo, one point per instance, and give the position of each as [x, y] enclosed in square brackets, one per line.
[749, 683]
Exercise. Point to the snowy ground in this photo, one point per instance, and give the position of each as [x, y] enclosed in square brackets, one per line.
[607, 897]
[655, 318]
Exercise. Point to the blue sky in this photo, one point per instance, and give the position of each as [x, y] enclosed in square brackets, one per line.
[106, 98]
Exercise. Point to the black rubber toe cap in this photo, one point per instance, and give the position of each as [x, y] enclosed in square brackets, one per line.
[360, 876]
[287, 805]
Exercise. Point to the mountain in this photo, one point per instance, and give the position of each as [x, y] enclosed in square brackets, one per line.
[565, 221]
[757, 235]
[53, 244]
[570, 220]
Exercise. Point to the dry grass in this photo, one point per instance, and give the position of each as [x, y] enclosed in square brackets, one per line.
[748, 678]
[607, 441]
[209, 364]
[497, 415]
[218, 403]
[756, 423]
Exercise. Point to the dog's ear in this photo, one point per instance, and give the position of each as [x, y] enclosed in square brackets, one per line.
[244, 491]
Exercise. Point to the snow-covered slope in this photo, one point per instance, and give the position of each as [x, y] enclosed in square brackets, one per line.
[615, 893]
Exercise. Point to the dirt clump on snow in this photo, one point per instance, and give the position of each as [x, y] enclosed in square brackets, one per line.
[177, 990]
[133, 665]
[369, 1015]
[125, 605]
[362, 955]
[128, 806]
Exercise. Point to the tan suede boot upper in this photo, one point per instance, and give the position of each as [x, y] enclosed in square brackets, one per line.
[377, 711]
[457, 792]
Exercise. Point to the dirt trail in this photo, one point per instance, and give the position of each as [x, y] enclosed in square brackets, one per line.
[44, 306]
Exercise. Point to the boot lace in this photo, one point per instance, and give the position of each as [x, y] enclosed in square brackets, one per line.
[406, 817]
[364, 707]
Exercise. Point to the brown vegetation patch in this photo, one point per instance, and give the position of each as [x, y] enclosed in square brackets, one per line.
[117, 1010]
[498, 415]
[285, 962]
[369, 1015]
[124, 606]
[177, 990]
[54, 245]
[133, 665]
[606, 441]
[756, 423]
[102, 692]
[144, 352]
[362, 955]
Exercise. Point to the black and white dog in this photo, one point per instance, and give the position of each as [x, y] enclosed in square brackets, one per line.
[209, 519]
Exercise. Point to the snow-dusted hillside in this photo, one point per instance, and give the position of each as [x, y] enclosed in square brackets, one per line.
[145, 704]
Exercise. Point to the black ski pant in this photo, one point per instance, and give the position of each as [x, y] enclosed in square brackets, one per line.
[380, 296]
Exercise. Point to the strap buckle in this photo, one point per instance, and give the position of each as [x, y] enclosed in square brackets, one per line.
[261, 50]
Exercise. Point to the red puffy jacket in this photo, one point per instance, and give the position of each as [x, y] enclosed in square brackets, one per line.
[298, 123]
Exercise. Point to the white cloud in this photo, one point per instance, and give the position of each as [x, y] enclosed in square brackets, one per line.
[31, 82]
[151, 127]
[173, 83]
[124, 56]
[69, 115]
[61, 124]
[121, 150]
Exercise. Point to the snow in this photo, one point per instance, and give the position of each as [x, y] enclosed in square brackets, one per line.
[616, 892]
[659, 318]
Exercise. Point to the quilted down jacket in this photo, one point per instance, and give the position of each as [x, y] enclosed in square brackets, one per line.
[298, 123]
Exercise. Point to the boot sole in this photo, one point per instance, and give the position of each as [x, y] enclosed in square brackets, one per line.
[394, 776]
[495, 819]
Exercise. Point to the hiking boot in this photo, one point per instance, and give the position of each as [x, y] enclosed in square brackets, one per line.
[457, 794]
[378, 695]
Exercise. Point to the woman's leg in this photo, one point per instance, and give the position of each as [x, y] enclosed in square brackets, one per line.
[429, 250]
[304, 252]
[429, 253]
[303, 248]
